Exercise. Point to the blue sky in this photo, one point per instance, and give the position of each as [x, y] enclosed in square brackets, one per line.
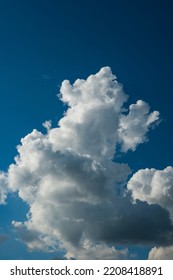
[44, 42]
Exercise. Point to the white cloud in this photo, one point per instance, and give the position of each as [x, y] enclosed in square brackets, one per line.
[72, 186]
[154, 187]
[65, 192]
[97, 252]
[3, 187]
[134, 126]
[90, 124]
[161, 253]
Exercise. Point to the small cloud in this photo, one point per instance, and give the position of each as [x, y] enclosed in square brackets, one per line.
[45, 77]
[153, 186]
[161, 253]
[3, 187]
[47, 125]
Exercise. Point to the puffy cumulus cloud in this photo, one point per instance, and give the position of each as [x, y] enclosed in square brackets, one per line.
[74, 190]
[67, 193]
[91, 123]
[95, 122]
[3, 187]
[134, 126]
[161, 253]
[154, 187]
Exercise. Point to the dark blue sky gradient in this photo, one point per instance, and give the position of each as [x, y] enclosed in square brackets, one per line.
[43, 42]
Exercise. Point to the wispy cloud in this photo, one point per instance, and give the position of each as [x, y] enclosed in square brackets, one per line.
[45, 77]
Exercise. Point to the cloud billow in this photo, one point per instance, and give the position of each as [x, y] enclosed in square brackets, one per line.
[76, 193]
[3, 187]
